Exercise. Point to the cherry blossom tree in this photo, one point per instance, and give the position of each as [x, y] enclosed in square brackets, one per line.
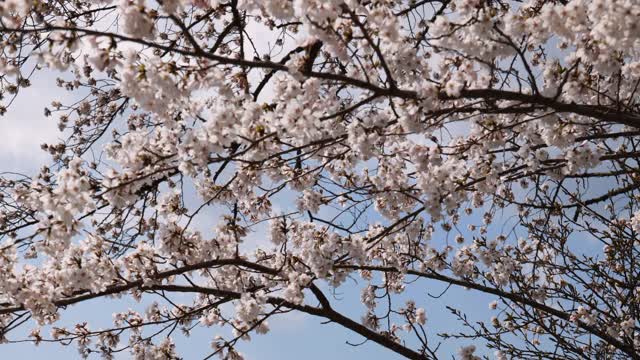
[256, 156]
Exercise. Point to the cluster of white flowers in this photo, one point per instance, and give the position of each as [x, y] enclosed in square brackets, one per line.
[318, 249]
[13, 11]
[152, 84]
[583, 315]
[635, 221]
[467, 353]
[58, 206]
[136, 18]
[247, 311]
[582, 157]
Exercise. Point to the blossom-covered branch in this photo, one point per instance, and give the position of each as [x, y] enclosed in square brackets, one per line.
[255, 157]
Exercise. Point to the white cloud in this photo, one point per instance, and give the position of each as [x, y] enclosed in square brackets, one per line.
[24, 127]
